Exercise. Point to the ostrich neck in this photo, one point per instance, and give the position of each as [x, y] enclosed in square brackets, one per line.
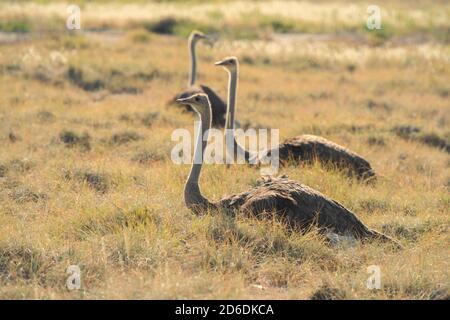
[193, 197]
[193, 74]
[231, 109]
[232, 93]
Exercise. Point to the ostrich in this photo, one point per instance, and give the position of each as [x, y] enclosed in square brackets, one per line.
[299, 205]
[300, 148]
[217, 104]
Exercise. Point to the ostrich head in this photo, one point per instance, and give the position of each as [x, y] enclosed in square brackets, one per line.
[198, 35]
[199, 102]
[229, 63]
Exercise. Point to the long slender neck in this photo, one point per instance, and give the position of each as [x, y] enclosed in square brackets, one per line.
[193, 75]
[231, 109]
[232, 93]
[193, 197]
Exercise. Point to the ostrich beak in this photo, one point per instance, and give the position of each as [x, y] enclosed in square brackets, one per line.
[221, 63]
[184, 100]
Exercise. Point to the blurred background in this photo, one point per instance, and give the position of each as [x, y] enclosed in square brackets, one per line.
[85, 140]
[416, 22]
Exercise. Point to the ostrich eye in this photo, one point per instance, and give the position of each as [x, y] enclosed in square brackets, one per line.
[197, 99]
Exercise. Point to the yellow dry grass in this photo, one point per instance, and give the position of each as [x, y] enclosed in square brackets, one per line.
[111, 202]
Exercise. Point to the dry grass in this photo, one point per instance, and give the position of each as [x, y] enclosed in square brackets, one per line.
[86, 177]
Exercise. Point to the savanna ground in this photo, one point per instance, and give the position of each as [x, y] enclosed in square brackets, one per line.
[85, 138]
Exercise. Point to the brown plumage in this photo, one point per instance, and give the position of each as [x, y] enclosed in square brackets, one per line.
[303, 148]
[307, 148]
[218, 106]
[299, 205]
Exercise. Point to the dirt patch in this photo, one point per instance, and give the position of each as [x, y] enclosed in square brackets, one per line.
[13, 37]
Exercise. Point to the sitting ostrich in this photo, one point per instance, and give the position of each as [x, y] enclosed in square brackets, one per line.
[217, 104]
[304, 148]
[299, 205]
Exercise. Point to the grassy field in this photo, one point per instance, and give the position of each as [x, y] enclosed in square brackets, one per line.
[85, 138]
